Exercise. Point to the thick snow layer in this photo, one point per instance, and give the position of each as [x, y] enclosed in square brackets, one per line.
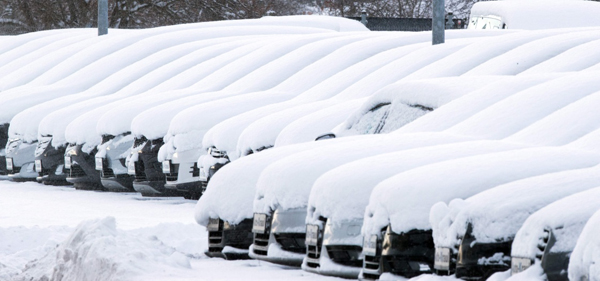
[345, 59]
[118, 119]
[565, 218]
[342, 193]
[27, 72]
[174, 59]
[286, 184]
[533, 53]
[585, 259]
[81, 75]
[482, 51]
[316, 124]
[233, 79]
[464, 107]
[537, 14]
[576, 58]
[185, 133]
[404, 200]
[517, 111]
[498, 213]
[402, 102]
[37, 49]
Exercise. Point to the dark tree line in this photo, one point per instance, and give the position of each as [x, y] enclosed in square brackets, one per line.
[19, 16]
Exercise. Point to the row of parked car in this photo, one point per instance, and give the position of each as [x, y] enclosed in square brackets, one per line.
[313, 142]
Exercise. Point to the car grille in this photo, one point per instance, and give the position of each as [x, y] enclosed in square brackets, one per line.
[174, 173]
[292, 242]
[261, 243]
[76, 171]
[372, 264]
[140, 171]
[107, 172]
[345, 255]
[215, 239]
[15, 170]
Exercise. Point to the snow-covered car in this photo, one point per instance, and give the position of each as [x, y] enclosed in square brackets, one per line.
[397, 233]
[482, 220]
[182, 141]
[80, 71]
[548, 53]
[473, 237]
[543, 244]
[82, 141]
[256, 130]
[533, 14]
[277, 175]
[584, 262]
[338, 199]
[203, 56]
[116, 118]
[165, 64]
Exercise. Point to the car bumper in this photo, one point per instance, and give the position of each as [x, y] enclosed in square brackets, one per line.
[230, 242]
[283, 242]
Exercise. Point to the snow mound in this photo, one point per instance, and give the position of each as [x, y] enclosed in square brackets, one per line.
[96, 250]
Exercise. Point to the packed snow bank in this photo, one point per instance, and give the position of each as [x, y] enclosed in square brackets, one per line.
[404, 200]
[584, 263]
[286, 184]
[537, 14]
[342, 193]
[564, 218]
[498, 213]
[97, 250]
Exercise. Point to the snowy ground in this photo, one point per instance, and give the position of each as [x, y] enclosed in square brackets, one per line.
[66, 234]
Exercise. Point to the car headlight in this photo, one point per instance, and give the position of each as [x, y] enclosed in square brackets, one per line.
[38, 165]
[131, 167]
[99, 163]
[166, 167]
[67, 162]
[9, 164]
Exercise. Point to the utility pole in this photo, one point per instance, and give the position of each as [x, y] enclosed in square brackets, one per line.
[102, 17]
[437, 23]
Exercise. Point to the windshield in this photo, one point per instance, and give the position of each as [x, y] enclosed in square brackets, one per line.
[486, 22]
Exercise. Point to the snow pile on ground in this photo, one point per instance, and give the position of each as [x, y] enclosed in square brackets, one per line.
[498, 213]
[96, 250]
[565, 218]
[585, 260]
